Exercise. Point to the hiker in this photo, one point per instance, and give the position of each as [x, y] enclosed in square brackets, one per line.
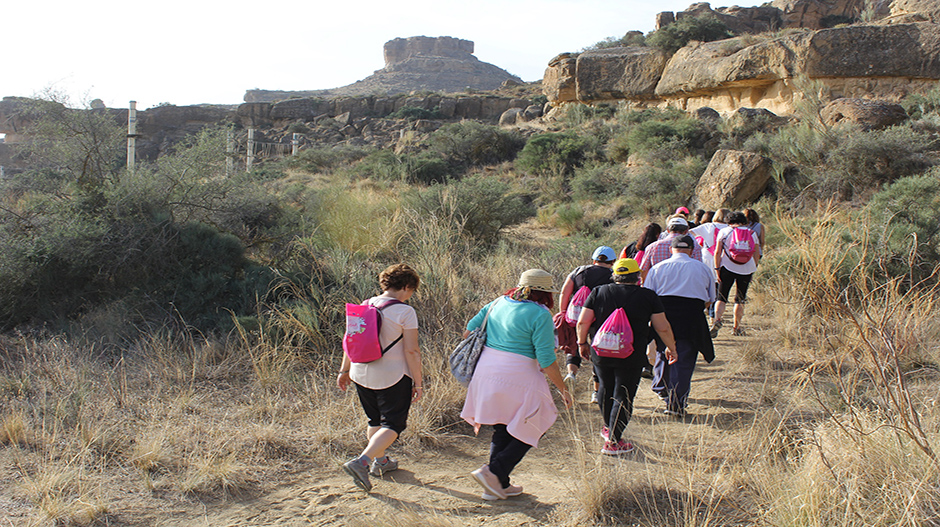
[699, 215]
[704, 235]
[620, 377]
[753, 223]
[734, 269]
[590, 276]
[637, 249]
[508, 389]
[659, 251]
[386, 386]
[685, 287]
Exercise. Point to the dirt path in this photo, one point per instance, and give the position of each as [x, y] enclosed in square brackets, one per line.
[437, 488]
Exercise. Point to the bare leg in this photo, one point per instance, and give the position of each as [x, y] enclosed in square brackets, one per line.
[719, 310]
[738, 315]
[379, 440]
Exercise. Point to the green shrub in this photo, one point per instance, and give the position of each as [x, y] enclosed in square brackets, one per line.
[676, 35]
[468, 144]
[422, 168]
[654, 189]
[597, 182]
[484, 205]
[920, 105]
[908, 214]
[632, 38]
[326, 159]
[412, 113]
[579, 114]
[553, 153]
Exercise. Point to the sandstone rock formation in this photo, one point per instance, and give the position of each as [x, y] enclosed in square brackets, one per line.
[732, 179]
[887, 61]
[443, 64]
[916, 10]
[869, 115]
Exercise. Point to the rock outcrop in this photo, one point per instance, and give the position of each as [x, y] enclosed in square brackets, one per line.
[886, 62]
[868, 115]
[442, 64]
[732, 179]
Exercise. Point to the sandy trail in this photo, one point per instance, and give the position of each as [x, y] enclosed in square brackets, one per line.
[437, 487]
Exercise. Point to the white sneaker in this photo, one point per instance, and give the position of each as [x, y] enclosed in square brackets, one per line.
[569, 383]
[594, 398]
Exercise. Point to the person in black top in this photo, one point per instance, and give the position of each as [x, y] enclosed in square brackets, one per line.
[590, 276]
[619, 378]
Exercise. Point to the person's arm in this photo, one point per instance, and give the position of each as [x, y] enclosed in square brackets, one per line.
[760, 249]
[664, 330]
[342, 377]
[566, 290]
[584, 324]
[719, 245]
[554, 374]
[413, 358]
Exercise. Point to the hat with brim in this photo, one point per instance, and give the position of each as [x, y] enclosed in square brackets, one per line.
[626, 266]
[537, 280]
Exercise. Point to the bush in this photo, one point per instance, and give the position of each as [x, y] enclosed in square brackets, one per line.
[676, 35]
[553, 153]
[908, 215]
[326, 159]
[632, 38]
[469, 143]
[920, 105]
[597, 182]
[579, 114]
[652, 190]
[412, 113]
[484, 205]
[422, 168]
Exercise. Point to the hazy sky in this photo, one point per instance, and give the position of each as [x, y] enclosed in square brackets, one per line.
[207, 51]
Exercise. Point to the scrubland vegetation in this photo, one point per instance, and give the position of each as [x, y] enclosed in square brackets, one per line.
[171, 334]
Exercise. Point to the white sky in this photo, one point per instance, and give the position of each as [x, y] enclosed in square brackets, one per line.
[208, 51]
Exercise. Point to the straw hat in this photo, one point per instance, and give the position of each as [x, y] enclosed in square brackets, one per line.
[538, 280]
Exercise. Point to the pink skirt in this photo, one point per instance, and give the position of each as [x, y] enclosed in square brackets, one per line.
[510, 389]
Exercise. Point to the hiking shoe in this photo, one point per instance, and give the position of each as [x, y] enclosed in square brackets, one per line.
[675, 413]
[569, 383]
[738, 332]
[489, 482]
[617, 449]
[594, 398]
[379, 468]
[605, 434]
[647, 372]
[359, 472]
[714, 330]
[510, 491]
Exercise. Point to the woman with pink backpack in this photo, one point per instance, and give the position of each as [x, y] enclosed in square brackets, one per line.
[737, 253]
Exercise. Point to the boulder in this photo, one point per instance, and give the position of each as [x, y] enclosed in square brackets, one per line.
[706, 114]
[531, 112]
[901, 50]
[619, 73]
[510, 116]
[926, 10]
[819, 14]
[869, 115]
[558, 83]
[732, 179]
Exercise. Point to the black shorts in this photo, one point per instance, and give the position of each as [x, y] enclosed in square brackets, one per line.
[387, 408]
[728, 279]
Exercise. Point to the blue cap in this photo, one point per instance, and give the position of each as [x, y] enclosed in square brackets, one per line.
[604, 254]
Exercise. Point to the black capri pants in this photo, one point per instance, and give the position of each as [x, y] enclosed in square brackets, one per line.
[728, 279]
[387, 408]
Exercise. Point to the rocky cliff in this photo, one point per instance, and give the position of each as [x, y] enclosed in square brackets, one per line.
[442, 64]
[888, 59]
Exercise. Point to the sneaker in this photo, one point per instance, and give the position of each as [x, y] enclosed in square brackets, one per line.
[714, 330]
[510, 491]
[647, 372]
[379, 468]
[569, 383]
[594, 398]
[489, 482]
[738, 332]
[674, 413]
[617, 449]
[605, 434]
[359, 472]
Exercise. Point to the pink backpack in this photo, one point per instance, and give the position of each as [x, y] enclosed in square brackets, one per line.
[740, 245]
[363, 324]
[615, 336]
[576, 304]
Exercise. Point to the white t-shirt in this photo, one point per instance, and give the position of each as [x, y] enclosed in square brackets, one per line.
[708, 231]
[385, 372]
[731, 265]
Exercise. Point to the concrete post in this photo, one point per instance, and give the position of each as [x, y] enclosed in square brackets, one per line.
[295, 144]
[251, 149]
[229, 153]
[132, 136]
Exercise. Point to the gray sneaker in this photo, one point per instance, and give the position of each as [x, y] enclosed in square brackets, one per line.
[381, 468]
[359, 473]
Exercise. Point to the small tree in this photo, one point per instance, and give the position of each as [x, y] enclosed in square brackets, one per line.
[676, 35]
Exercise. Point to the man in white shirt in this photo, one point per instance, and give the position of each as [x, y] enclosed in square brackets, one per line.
[686, 286]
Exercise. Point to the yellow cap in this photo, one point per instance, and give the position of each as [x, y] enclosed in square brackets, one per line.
[626, 266]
